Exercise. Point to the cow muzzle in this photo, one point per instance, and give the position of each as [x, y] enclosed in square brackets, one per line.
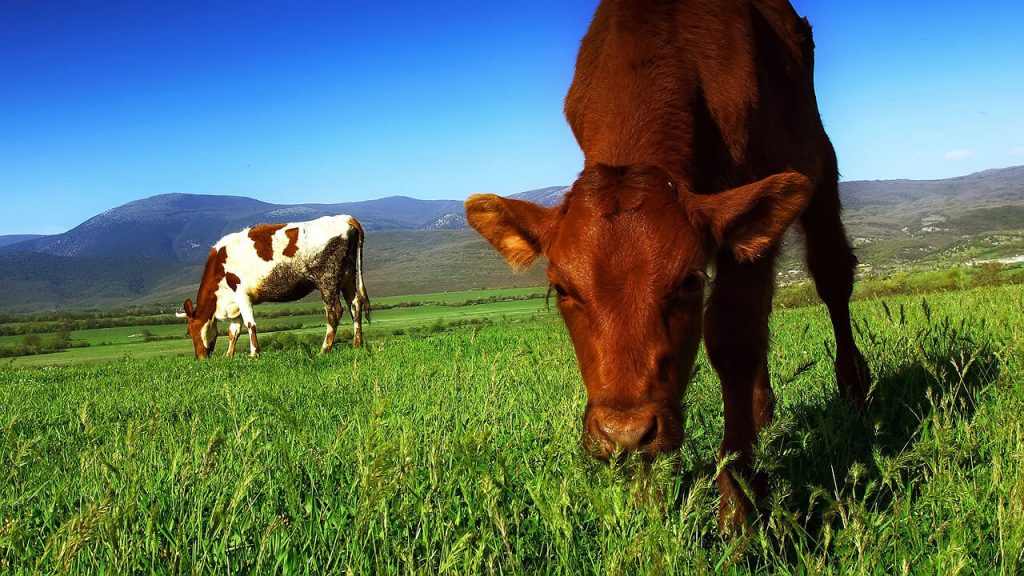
[647, 429]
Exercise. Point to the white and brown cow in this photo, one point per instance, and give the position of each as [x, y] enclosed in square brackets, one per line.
[280, 263]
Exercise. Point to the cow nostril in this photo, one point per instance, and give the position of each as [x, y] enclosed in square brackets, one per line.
[651, 435]
[630, 435]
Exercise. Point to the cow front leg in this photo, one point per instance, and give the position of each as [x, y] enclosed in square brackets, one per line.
[832, 264]
[245, 308]
[233, 332]
[333, 311]
[736, 339]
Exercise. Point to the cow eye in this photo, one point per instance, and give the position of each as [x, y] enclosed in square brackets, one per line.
[693, 283]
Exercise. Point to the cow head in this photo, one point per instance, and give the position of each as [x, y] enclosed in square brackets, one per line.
[627, 252]
[202, 330]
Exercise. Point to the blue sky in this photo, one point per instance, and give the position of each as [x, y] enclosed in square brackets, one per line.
[106, 102]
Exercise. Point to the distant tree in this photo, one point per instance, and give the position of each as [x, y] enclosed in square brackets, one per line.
[988, 274]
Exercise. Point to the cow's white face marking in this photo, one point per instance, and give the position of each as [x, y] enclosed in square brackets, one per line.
[208, 334]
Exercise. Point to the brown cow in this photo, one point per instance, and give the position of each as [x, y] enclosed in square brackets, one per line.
[702, 144]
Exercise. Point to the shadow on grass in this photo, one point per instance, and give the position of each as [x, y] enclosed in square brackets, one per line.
[828, 451]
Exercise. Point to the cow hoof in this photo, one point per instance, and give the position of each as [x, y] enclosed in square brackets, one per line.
[735, 509]
[854, 378]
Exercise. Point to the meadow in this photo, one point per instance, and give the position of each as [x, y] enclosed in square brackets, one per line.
[149, 334]
[69, 337]
[456, 450]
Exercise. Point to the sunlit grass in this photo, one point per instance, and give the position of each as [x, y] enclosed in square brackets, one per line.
[458, 452]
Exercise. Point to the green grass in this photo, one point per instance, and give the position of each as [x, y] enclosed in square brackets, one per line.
[400, 313]
[458, 453]
[108, 344]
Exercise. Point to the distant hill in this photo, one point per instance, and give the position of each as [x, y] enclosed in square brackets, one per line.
[184, 226]
[151, 250]
[395, 262]
[901, 223]
[551, 196]
[34, 282]
[980, 188]
[17, 238]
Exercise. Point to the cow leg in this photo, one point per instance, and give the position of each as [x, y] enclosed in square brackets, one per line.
[736, 339]
[233, 331]
[245, 308]
[348, 290]
[334, 312]
[831, 262]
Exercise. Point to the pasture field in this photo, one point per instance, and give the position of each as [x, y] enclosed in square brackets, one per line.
[391, 314]
[457, 452]
[152, 331]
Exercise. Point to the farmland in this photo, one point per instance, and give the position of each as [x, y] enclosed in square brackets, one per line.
[454, 448]
[161, 335]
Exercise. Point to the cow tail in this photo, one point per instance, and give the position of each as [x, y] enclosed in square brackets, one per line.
[364, 299]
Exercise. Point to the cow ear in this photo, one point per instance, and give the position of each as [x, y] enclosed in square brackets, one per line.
[189, 311]
[750, 219]
[516, 229]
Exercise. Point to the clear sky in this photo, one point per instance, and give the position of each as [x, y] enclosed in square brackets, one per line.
[103, 102]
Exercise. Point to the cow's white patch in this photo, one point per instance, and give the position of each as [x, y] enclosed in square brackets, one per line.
[252, 271]
[208, 333]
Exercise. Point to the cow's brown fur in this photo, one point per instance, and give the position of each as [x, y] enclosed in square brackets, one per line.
[262, 237]
[233, 281]
[206, 299]
[293, 242]
[359, 227]
[702, 144]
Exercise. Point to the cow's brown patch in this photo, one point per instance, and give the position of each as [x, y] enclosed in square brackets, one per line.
[206, 301]
[262, 237]
[355, 224]
[233, 281]
[253, 342]
[293, 242]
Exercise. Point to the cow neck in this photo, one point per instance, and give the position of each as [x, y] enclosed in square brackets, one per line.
[206, 300]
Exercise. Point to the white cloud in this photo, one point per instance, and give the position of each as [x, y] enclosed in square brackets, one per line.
[1018, 151]
[959, 154]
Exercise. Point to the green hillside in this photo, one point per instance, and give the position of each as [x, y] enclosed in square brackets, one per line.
[895, 225]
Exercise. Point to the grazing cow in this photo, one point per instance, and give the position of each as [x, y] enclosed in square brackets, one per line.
[280, 263]
[702, 144]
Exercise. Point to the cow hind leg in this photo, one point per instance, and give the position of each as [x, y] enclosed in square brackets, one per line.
[736, 339]
[355, 307]
[831, 263]
[334, 312]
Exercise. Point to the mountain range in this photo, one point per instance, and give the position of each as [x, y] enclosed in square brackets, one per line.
[150, 250]
[182, 227]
